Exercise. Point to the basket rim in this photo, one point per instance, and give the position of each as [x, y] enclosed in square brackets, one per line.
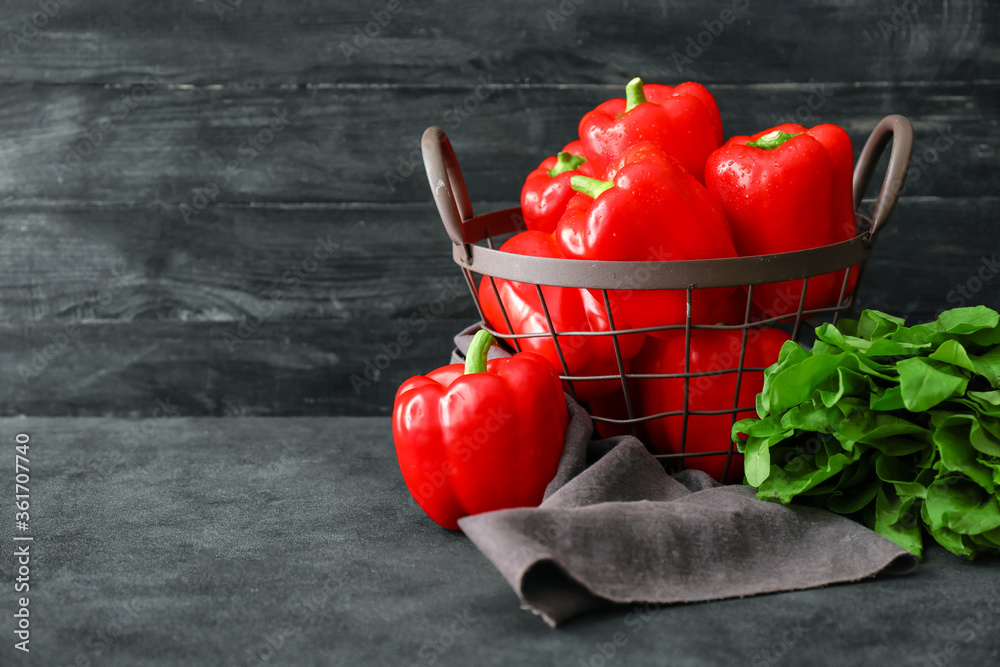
[651, 274]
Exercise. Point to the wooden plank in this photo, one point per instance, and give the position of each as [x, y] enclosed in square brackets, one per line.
[451, 43]
[317, 263]
[188, 149]
[936, 254]
[352, 264]
[210, 368]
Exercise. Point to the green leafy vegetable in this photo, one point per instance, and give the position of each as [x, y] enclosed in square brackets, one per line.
[898, 426]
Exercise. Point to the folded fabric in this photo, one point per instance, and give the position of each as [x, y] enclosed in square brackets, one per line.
[615, 528]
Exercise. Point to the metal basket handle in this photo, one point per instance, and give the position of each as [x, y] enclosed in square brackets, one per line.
[900, 130]
[447, 183]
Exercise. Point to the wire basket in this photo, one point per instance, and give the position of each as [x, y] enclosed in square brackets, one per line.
[474, 240]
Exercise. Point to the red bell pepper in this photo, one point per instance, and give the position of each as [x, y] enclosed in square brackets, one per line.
[711, 350]
[480, 437]
[654, 209]
[571, 309]
[787, 189]
[547, 189]
[683, 120]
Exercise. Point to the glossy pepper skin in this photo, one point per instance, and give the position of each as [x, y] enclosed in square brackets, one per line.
[785, 189]
[547, 189]
[682, 120]
[653, 210]
[480, 437]
[711, 350]
[571, 309]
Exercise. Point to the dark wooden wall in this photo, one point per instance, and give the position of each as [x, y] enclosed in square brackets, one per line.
[132, 284]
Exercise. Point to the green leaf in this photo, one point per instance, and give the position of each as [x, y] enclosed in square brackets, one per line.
[807, 417]
[874, 324]
[968, 320]
[892, 348]
[759, 428]
[757, 454]
[904, 476]
[961, 506]
[950, 324]
[848, 382]
[988, 540]
[829, 334]
[855, 497]
[819, 347]
[987, 399]
[925, 383]
[994, 465]
[836, 338]
[896, 518]
[985, 436]
[952, 352]
[879, 429]
[805, 471]
[849, 327]
[977, 406]
[988, 365]
[868, 366]
[953, 437]
[791, 354]
[756, 461]
[983, 338]
[796, 383]
[960, 545]
[888, 400]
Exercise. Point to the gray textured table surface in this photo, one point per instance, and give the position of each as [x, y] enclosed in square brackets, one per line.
[294, 542]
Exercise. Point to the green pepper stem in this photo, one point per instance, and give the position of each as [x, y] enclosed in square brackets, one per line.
[772, 140]
[475, 358]
[634, 96]
[590, 186]
[566, 162]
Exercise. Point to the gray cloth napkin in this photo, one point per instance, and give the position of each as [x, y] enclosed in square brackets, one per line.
[615, 528]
